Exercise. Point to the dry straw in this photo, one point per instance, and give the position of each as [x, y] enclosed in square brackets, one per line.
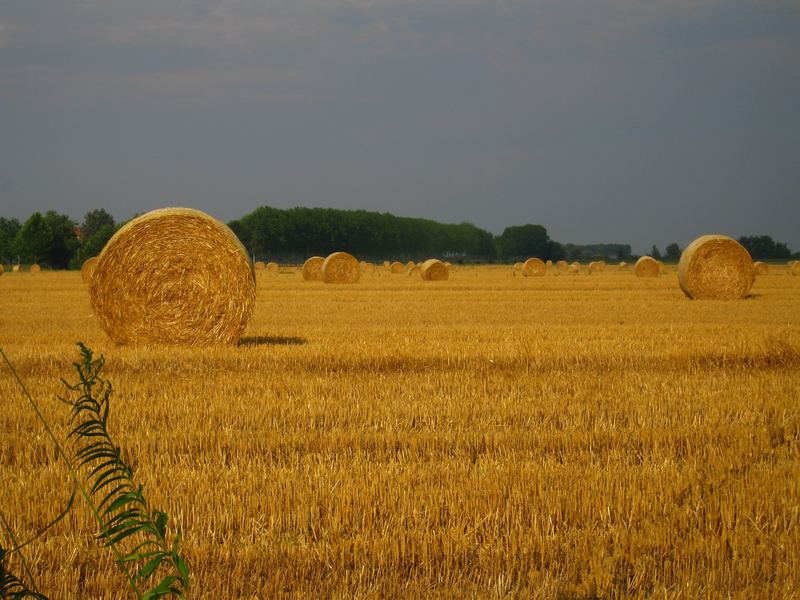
[415, 270]
[549, 263]
[387, 265]
[15, 269]
[272, 267]
[623, 265]
[340, 267]
[174, 276]
[715, 267]
[88, 267]
[760, 268]
[367, 267]
[35, 268]
[410, 265]
[647, 266]
[434, 270]
[397, 268]
[534, 267]
[595, 267]
[795, 268]
[259, 265]
[312, 268]
[574, 268]
[2, 269]
[562, 265]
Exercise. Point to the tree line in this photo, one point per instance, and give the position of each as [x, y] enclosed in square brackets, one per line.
[291, 235]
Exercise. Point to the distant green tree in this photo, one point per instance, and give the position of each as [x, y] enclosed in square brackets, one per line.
[672, 252]
[34, 239]
[92, 246]
[763, 247]
[655, 252]
[94, 220]
[64, 243]
[524, 241]
[8, 231]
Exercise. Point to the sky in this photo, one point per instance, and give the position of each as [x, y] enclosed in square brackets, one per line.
[629, 121]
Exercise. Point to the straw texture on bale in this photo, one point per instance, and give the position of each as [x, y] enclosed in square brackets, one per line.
[534, 267]
[397, 268]
[312, 268]
[341, 267]
[259, 265]
[760, 268]
[15, 269]
[434, 270]
[272, 267]
[715, 267]
[647, 266]
[174, 276]
[88, 267]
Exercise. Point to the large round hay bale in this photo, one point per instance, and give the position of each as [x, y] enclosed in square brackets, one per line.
[340, 267]
[397, 268]
[88, 267]
[760, 268]
[35, 268]
[259, 265]
[715, 267]
[647, 266]
[534, 267]
[312, 268]
[174, 276]
[272, 267]
[434, 270]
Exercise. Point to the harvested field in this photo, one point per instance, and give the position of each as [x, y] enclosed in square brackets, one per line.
[486, 436]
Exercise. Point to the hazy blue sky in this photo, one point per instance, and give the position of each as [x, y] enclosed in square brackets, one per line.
[604, 120]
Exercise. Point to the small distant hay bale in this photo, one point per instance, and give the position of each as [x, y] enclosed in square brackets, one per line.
[760, 268]
[434, 270]
[410, 265]
[88, 267]
[340, 267]
[574, 268]
[448, 265]
[272, 267]
[35, 268]
[715, 267]
[534, 267]
[2, 269]
[518, 266]
[415, 270]
[259, 265]
[795, 268]
[595, 267]
[647, 266]
[623, 265]
[367, 267]
[312, 268]
[549, 264]
[562, 265]
[15, 269]
[387, 265]
[174, 276]
[397, 268]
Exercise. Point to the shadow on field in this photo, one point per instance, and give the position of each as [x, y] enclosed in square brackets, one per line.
[271, 340]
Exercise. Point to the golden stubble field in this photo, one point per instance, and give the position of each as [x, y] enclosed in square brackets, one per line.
[486, 436]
